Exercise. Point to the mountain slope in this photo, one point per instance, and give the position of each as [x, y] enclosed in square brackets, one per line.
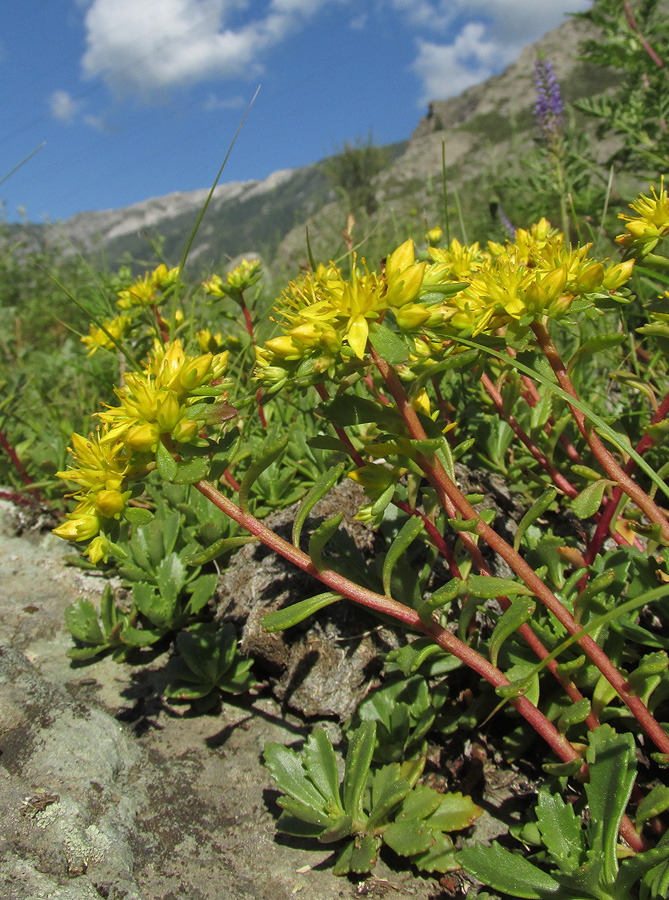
[475, 130]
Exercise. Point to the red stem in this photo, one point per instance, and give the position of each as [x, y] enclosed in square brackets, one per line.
[604, 524]
[449, 493]
[635, 28]
[606, 460]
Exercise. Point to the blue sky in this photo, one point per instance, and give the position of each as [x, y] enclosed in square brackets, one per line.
[130, 99]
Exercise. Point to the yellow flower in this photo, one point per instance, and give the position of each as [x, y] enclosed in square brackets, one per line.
[404, 276]
[78, 527]
[651, 222]
[98, 549]
[104, 337]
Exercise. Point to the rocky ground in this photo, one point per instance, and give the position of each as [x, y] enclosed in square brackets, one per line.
[108, 792]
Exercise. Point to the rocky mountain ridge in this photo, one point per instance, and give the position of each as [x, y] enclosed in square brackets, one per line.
[474, 132]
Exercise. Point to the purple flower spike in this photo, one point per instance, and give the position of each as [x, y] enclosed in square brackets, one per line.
[549, 107]
[506, 224]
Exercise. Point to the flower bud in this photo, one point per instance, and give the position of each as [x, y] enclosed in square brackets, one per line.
[143, 438]
[78, 528]
[109, 503]
[169, 410]
[195, 371]
[617, 275]
[98, 549]
[411, 315]
[185, 431]
[590, 278]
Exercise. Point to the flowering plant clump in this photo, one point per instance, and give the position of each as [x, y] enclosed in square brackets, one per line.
[173, 400]
[436, 354]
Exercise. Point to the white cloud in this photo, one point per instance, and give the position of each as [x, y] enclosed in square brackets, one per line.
[63, 107]
[495, 33]
[213, 102]
[151, 46]
[446, 70]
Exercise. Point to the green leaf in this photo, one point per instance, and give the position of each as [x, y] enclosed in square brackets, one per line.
[537, 509]
[358, 761]
[165, 462]
[191, 471]
[321, 765]
[439, 857]
[363, 857]
[611, 760]
[285, 767]
[319, 489]
[388, 800]
[305, 813]
[203, 590]
[521, 609]
[407, 534]
[141, 637]
[387, 344]
[320, 537]
[408, 836]
[595, 345]
[586, 504]
[218, 548]
[108, 611]
[653, 804]
[158, 609]
[280, 619]
[456, 812]
[136, 515]
[81, 619]
[560, 830]
[171, 577]
[506, 871]
[488, 587]
[264, 461]
[574, 714]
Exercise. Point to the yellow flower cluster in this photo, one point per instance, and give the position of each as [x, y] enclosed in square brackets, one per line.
[149, 290]
[243, 276]
[651, 222]
[100, 468]
[463, 288]
[158, 400]
[164, 402]
[324, 311]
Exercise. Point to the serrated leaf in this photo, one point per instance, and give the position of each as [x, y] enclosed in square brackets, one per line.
[81, 619]
[439, 857]
[285, 767]
[203, 590]
[505, 871]
[166, 464]
[456, 812]
[611, 761]
[303, 812]
[319, 489]
[574, 714]
[108, 611]
[653, 804]
[280, 619]
[560, 830]
[408, 836]
[171, 577]
[407, 534]
[521, 609]
[363, 857]
[141, 637]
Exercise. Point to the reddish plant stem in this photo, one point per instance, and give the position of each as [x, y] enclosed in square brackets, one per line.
[524, 630]
[558, 478]
[16, 462]
[398, 611]
[449, 492]
[162, 325]
[604, 524]
[409, 617]
[606, 460]
[635, 28]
